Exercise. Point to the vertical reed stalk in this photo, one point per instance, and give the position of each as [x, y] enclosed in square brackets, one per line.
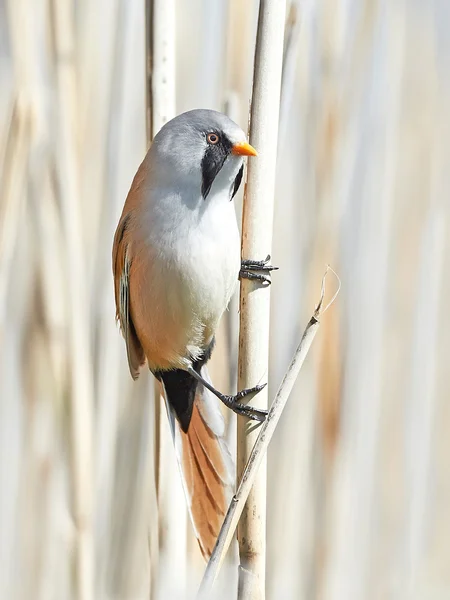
[160, 108]
[160, 103]
[257, 223]
[81, 385]
[153, 525]
[160, 64]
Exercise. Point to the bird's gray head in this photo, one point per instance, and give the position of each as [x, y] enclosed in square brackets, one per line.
[201, 148]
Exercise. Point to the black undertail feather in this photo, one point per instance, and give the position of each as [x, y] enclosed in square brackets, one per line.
[181, 387]
[180, 390]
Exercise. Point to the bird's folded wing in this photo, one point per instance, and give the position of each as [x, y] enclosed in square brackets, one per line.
[122, 260]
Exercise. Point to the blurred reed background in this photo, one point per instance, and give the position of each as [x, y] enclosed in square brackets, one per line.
[358, 476]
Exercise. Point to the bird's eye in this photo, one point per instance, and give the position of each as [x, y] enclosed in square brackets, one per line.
[212, 138]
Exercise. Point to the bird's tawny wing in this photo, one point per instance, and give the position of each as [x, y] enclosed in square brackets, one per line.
[122, 260]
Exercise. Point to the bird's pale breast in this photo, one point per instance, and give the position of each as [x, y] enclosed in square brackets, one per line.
[181, 284]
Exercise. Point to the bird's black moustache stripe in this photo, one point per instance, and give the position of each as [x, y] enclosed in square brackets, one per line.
[213, 160]
[237, 182]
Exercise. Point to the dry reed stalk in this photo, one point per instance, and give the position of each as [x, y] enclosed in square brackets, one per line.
[242, 18]
[112, 372]
[421, 398]
[6, 111]
[153, 538]
[109, 372]
[290, 65]
[12, 195]
[81, 392]
[355, 474]
[50, 267]
[95, 58]
[160, 108]
[327, 149]
[160, 64]
[238, 71]
[262, 442]
[14, 275]
[257, 223]
[15, 143]
[325, 247]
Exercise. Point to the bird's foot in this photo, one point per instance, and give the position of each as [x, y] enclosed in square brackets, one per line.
[232, 402]
[248, 268]
[258, 414]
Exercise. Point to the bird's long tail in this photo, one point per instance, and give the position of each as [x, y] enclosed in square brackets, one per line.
[205, 464]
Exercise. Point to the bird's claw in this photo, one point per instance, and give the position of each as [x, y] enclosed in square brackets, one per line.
[257, 414]
[249, 266]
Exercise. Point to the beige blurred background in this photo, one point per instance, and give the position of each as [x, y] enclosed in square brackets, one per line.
[358, 471]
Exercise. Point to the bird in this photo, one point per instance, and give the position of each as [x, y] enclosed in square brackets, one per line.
[176, 264]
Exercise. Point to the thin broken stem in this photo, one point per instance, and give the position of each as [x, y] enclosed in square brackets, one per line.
[266, 432]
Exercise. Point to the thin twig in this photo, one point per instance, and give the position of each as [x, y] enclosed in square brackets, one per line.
[265, 435]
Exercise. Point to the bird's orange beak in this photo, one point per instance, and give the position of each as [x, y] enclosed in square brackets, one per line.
[244, 149]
